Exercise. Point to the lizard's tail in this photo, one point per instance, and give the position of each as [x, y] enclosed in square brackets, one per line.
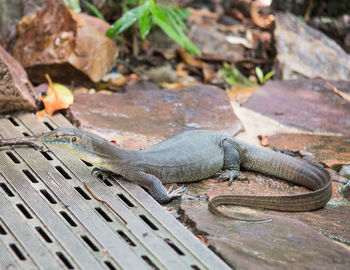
[287, 168]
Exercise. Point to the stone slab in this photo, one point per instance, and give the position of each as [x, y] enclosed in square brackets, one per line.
[69, 46]
[16, 91]
[138, 118]
[284, 243]
[303, 51]
[307, 104]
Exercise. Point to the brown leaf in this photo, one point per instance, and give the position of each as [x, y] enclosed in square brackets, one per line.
[264, 140]
[202, 239]
[340, 93]
[190, 60]
[180, 70]
[263, 21]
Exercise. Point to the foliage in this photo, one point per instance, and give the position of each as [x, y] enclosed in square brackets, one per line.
[234, 77]
[261, 77]
[148, 13]
[73, 4]
[93, 10]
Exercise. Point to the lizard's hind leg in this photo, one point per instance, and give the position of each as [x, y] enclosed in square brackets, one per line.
[155, 186]
[232, 161]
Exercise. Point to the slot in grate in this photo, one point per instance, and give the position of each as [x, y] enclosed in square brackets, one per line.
[76, 230]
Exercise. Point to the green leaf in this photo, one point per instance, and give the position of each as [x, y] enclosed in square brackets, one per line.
[259, 74]
[269, 75]
[125, 21]
[94, 10]
[145, 21]
[173, 16]
[145, 24]
[73, 4]
[175, 33]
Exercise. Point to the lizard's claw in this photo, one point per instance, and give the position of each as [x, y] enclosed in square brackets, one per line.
[176, 193]
[100, 173]
[230, 176]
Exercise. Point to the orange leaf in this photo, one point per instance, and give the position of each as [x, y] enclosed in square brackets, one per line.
[57, 97]
[180, 70]
[41, 114]
[263, 21]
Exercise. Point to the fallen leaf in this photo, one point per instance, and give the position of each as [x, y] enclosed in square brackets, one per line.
[40, 114]
[264, 140]
[172, 85]
[190, 60]
[239, 40]
[202, 239]
[180, 70]
[57, 97]
[115, 143]
[235, 13]
[263, 21]
[340, 93]
[241, 94]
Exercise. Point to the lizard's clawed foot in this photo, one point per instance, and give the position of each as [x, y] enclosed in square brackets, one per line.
[101, 174]
[176, 193]
[230, 176]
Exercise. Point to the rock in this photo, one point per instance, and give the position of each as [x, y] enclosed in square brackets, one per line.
[210, 41]
[345, 170]
[345, 192]
[162, 74]
[338, 29]
[11, 13]
[70, 47]
[16, 91]
[284, 243]
[332, 151]
[308, 104]
[306, 52]
[138, 118]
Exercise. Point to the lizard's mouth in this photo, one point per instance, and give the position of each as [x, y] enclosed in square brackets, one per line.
[53, 138]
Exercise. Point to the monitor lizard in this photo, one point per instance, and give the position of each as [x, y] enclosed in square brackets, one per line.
[195, 155]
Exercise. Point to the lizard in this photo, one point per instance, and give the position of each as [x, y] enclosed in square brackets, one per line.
[196, 155]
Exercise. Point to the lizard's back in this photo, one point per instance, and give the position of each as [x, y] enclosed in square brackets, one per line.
[189, 156]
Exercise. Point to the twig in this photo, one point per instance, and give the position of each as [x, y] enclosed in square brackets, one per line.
[30, 141]
[103, 202]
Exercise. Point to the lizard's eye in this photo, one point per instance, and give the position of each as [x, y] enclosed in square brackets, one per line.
[73, 139]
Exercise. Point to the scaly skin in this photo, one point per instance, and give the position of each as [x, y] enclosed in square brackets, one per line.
[196, 155]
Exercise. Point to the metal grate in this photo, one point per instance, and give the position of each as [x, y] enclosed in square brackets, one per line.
[48, 220]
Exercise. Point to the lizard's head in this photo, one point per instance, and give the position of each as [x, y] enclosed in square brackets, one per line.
[76, 141]
[62, 136]
[84, 145]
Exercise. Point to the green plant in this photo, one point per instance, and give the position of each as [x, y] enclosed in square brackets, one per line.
[148, 13]
[73, 4]
[261, 77]
[94, 10]
[234, 77]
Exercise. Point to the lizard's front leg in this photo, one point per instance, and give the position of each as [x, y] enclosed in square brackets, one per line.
[154, 186]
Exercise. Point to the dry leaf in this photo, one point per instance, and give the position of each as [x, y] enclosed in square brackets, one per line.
[263, 21]
[241, 94]
[40, 114]
[172, 85]
[202, 239]
[264, 140]
[342, 94]
[57, 97]
[180, 70]
[190, 60]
